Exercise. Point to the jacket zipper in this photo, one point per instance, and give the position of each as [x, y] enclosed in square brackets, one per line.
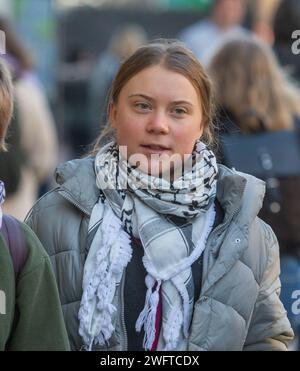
[124, 338]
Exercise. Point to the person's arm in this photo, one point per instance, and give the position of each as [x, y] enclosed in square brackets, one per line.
[269, 328]
[39, 321]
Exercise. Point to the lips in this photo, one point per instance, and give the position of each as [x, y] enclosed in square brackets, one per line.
[155, 147]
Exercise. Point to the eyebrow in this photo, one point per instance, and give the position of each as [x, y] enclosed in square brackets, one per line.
[152, 100]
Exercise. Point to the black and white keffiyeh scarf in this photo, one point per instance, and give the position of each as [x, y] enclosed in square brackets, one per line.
[172, 220]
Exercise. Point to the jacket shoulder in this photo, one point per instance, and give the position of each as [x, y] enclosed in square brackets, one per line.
[51, 199]
[262, 243]
[55, 221]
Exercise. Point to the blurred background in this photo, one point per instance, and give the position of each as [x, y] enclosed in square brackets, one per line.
[67, 37]
[64, 54]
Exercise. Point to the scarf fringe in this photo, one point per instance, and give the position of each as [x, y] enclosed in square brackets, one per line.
[117, 245]
[147, 317]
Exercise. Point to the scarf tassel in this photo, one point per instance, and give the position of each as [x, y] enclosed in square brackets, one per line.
[102, 283]
[147, 317]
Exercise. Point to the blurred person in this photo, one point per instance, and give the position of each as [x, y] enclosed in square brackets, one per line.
[286, 22]
[151, 261]
[124, 41]
[34, 147]
[224, 21]
[251, 88]
[30, 313]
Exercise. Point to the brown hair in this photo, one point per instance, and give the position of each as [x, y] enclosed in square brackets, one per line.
[174, 56]
[6, 102]
[250, 85]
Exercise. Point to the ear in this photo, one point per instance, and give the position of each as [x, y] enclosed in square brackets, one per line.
[113, 115]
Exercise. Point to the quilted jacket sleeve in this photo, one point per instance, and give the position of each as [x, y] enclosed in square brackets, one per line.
[269, 329]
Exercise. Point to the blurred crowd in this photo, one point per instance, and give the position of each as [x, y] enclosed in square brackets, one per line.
[250, 57]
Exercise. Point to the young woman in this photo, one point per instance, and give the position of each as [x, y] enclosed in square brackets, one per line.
[156, 254]
[30, 313]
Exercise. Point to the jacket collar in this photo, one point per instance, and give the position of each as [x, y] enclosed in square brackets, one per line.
[77, 180]
[239, 192]
[235, 191]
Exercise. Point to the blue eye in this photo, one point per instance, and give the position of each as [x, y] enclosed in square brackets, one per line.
[179, 111]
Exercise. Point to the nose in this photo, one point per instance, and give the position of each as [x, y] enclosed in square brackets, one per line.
[158, 124]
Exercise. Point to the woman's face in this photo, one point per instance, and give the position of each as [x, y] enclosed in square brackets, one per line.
[158, 115]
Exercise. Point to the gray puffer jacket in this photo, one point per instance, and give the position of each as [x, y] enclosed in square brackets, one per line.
[239, 306]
